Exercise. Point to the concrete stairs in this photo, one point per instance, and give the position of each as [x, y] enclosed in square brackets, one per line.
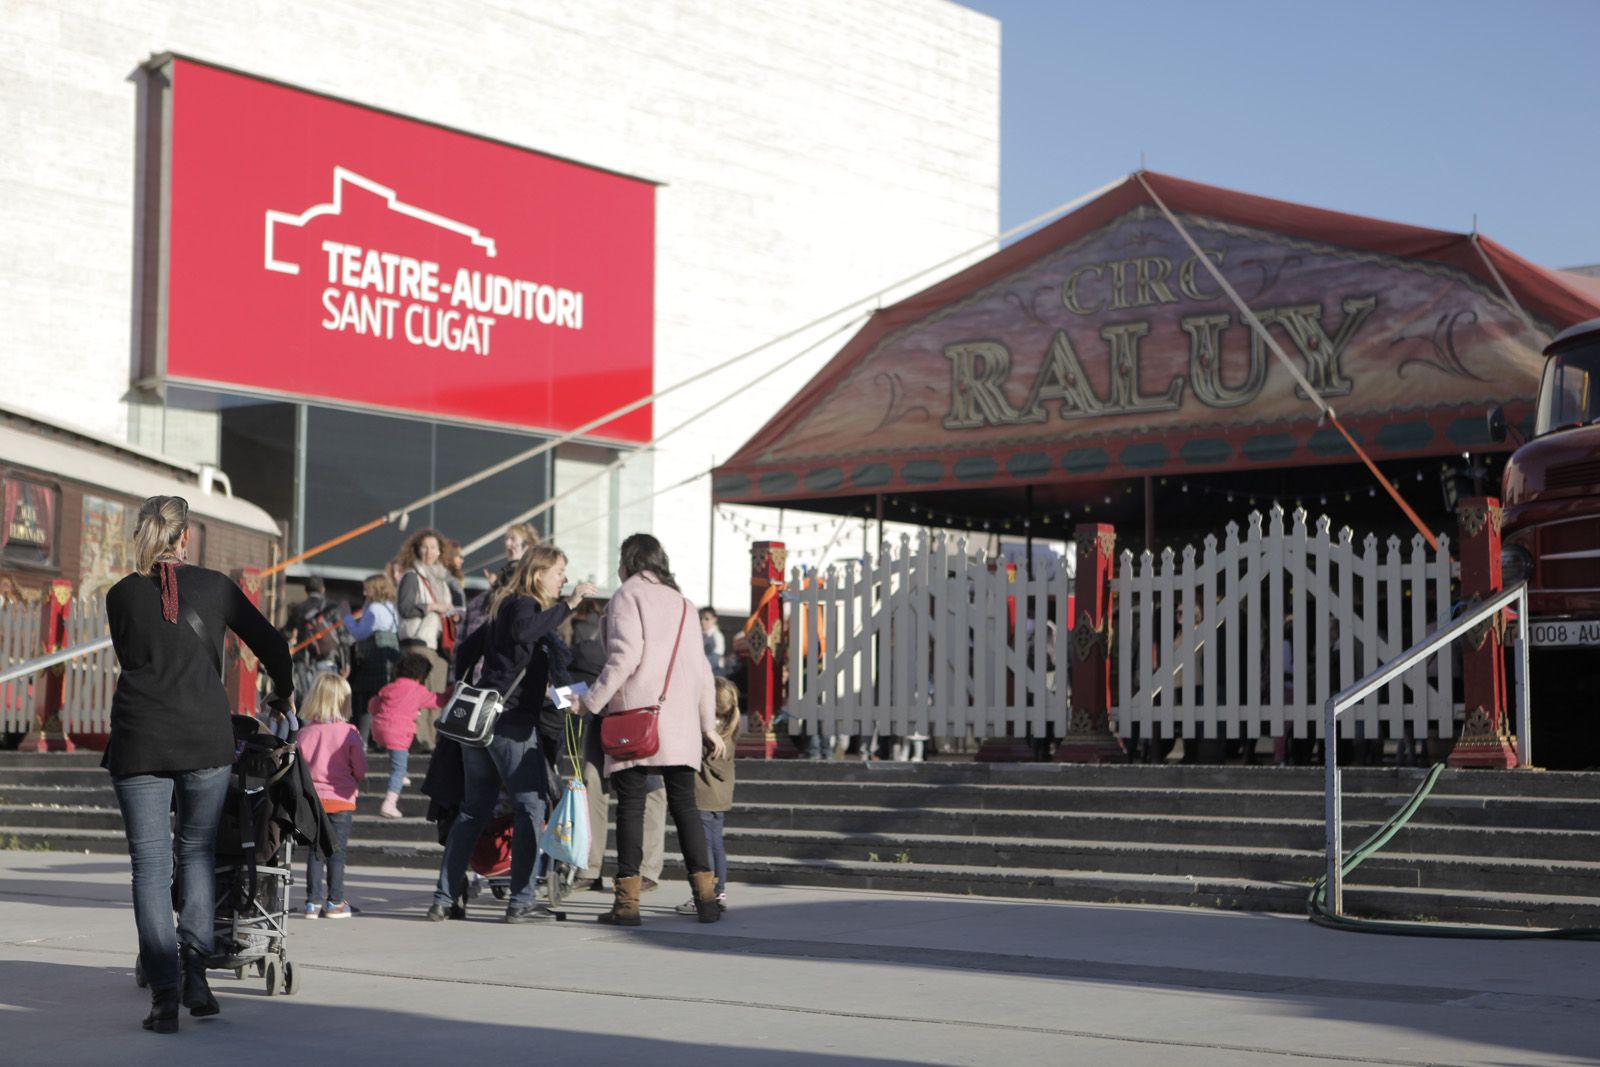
[1505, 848]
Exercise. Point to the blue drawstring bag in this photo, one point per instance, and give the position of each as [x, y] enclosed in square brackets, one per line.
[566, 834]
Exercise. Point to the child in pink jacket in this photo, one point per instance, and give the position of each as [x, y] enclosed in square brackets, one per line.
[394, 721]
[337, 760]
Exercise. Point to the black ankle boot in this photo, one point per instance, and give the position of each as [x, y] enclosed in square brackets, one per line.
[163, 1017]
[197, 995]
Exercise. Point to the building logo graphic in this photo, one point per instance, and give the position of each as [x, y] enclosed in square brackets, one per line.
[373, 291]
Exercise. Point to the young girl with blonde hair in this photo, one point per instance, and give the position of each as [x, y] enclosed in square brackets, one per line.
[334, 754]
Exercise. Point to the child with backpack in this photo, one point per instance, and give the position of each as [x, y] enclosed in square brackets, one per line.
[394, 710]
[337, 760]
[713, 791]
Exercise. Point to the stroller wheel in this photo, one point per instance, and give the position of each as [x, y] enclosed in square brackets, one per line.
[261, 967]
[558, 883]
[499, 891]
[271, 975]
[238, 973]
[138, 974]
[291, 979]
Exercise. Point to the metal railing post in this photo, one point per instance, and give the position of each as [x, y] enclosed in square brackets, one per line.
[1384, 675]
[1333, 804]
[1524, 698]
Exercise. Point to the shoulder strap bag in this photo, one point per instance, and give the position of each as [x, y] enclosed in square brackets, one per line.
[632, 734]
[469, 716]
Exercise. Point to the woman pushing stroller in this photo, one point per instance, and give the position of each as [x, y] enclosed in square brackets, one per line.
[172, 744]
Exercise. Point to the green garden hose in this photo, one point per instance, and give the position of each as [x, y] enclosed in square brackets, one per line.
[1317, 901]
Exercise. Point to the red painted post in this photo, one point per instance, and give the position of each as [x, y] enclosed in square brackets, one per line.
[1089, 738]
[1486, 735]
[242, 667]
[767, 651]
[49, 733]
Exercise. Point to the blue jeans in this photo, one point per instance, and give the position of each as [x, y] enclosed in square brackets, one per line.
[398, 760]
[146, 801]
[714, 821]
[341, 821]
[517, 763]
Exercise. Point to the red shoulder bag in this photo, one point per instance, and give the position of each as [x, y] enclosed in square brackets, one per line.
[632, 734]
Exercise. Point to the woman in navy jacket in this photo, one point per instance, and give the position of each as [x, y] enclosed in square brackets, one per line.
[520, 636]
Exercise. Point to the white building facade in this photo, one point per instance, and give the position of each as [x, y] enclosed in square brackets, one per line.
[806, 154]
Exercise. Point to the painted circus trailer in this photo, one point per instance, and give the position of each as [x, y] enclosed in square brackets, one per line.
[70, 502]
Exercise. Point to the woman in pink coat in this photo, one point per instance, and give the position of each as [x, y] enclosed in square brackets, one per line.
[646, 619]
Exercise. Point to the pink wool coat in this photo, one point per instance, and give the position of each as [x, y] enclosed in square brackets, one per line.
[642, 618]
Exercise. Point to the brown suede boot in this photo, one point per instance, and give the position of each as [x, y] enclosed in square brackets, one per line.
[704, 884]
[625, 905]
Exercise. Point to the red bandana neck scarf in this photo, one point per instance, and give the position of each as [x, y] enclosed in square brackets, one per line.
[167, 569]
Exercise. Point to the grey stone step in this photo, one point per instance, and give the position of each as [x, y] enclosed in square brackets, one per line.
[1466, 906]
[1001, 854]
[1428, 833]
[1403, 780]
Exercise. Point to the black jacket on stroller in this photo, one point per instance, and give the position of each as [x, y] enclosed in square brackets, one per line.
[270, 794]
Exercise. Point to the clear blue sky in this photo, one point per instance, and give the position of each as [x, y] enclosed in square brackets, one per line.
[1420, 111]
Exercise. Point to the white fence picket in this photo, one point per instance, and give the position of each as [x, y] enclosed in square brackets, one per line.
[1293, 614]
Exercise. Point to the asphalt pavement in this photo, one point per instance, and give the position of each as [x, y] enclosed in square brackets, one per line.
[792, 976]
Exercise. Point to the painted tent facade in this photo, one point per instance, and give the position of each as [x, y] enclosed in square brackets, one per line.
[1101, 348]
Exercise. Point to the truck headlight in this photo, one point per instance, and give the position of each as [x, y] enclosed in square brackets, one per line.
[1516, 565]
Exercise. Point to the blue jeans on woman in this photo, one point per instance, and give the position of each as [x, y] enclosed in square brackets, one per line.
[341, 822]
[517, 763]
[714, 821]
[146, 801]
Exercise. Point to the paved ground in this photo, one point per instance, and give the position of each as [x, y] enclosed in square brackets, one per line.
[795, 976]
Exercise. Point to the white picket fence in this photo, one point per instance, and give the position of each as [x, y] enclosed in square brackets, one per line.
[931, 639]
[19, 642]
[89, 679]
[1286, 618]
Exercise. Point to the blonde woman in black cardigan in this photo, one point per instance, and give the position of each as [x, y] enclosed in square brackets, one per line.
[172, 744]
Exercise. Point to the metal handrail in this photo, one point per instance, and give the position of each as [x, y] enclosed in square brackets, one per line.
[40, 663]
[1354, 694]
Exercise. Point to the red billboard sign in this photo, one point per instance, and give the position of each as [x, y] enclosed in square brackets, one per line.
[324, 250]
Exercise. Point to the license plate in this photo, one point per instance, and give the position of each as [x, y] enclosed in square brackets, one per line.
[1565, 633]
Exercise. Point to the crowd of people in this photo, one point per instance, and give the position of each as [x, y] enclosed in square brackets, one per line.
[374, 678]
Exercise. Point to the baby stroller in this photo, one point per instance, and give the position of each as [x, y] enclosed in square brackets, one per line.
[254, 862]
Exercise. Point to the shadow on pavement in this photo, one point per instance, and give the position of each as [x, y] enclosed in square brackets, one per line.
[69, 1014]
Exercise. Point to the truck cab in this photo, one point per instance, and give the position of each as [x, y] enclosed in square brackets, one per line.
[1550, 538]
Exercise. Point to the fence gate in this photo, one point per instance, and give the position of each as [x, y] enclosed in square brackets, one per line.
[933, 640]
[1251, 637]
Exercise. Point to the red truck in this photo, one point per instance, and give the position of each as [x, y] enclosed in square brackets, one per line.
[1551, 539]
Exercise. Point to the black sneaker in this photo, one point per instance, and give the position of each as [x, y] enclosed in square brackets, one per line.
[438, 913]
[528, 913]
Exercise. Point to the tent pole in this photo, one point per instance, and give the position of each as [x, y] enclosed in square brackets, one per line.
[711, 561]
[1027, 525]
[878, 497]
[1149, 514]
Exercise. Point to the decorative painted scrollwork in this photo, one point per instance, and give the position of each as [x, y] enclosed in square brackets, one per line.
[1475, 517]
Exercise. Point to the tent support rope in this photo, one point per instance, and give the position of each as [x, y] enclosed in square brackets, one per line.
[1288, 364]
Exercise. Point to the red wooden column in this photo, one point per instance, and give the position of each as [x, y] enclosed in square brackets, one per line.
[240, 664]
[49, 733]
[1486, 735]
[1089, 738]
[763, 633]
